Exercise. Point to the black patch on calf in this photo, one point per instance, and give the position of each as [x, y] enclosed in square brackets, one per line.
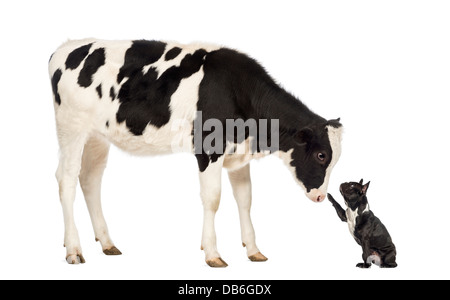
[107, 124]
[75, 57]
[145, 98]
[172, 53]
[99, 90]
[92, 63]
[112, 93]
[55, 80]
[231, 87]
[235, 86]
[203, 161]
[140, 54]
[334, 123]
[308, 169]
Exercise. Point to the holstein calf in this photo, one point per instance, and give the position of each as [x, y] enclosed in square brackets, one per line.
[153, 97]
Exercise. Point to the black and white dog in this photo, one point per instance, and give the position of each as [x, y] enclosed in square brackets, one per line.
[365, 227]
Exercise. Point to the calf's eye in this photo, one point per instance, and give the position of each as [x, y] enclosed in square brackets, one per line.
[321, 156]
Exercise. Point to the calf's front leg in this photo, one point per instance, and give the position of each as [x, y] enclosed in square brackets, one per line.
[242, 191]
[210, 190]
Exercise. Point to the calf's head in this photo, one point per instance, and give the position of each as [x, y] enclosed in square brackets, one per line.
[314, 152]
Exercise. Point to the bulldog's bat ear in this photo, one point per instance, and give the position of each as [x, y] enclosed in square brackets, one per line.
[361, 181]
[365, 187]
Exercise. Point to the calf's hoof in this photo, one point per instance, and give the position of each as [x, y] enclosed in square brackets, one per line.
[257, 257]
[75, 259]
[216, 262]
[112, 251]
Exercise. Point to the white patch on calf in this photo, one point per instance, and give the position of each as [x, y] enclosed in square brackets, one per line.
[335, 137]
[318, 194]
[183, 106]
[238, 155]
[176, 135]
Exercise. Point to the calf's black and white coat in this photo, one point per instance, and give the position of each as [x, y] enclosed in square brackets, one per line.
[145, 96]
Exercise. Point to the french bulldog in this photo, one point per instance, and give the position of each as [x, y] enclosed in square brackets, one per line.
[365, 227]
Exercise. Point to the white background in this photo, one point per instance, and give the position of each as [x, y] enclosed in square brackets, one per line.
[382, 66]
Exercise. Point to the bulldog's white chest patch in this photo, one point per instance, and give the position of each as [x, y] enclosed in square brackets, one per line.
[351, 218]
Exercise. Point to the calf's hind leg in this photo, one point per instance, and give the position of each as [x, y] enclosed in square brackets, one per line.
[71, 148]
[95, 156]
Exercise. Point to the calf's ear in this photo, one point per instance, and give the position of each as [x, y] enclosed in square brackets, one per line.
[304, 136]
[334, 123]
